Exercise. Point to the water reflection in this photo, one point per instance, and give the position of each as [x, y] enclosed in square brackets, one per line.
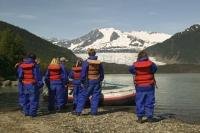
[8, 99]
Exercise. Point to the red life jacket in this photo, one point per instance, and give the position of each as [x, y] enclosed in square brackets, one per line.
[143, 76]
[77, 72]
[28, 77]
[55, 71]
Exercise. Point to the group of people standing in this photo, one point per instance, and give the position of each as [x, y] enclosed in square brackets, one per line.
[87, 77]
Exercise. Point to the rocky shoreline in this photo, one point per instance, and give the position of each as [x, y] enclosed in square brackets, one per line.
[108, 120]
[8, 83]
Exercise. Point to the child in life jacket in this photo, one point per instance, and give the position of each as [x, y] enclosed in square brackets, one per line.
[75, 75]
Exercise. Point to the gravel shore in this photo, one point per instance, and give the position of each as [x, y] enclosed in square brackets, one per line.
[108, 120]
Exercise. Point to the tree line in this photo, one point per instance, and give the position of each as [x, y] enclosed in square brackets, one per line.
[11, 51]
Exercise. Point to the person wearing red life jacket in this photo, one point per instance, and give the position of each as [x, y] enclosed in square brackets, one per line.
[75, 74]
[28, 73]
[55, 77]
[143, 70]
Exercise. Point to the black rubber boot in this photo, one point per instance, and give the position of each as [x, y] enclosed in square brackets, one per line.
[139, 120]
[152, 120]
[92, 114]
[76, 113]
[74, 107]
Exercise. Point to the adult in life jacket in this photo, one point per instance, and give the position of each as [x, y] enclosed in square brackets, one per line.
[75, 75]
[55, 77]
[143, 70]
[92, 75]
[28, 76]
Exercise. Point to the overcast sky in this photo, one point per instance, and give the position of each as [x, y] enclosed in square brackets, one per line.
[72, 18]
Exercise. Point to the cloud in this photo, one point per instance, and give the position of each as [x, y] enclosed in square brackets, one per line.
[27, 16]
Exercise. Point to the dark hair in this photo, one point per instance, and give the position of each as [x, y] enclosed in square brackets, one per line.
[142, 54]
[31, 55]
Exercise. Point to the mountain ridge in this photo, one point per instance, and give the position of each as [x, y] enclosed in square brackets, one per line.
[182, 48]
[37, 45]
[113, 40]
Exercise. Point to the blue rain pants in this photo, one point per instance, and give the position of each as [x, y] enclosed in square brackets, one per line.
[21, 95]
[93, 90]
[31, 100]
[57, 96]
[145, 100]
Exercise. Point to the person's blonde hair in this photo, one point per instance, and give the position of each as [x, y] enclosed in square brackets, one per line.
[55, 61]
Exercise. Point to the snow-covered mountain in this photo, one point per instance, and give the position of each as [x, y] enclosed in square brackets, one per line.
[113, 45]
[112, 40]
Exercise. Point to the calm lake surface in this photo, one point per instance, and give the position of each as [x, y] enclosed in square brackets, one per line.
[177, 95]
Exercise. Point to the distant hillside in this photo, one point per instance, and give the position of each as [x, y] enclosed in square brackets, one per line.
[181, 48]
[42, 48]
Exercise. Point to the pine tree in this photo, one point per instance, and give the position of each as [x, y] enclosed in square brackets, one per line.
[11, 51]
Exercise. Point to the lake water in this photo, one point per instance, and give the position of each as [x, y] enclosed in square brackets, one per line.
[177, 94]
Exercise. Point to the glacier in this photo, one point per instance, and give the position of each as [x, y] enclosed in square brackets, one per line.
[114, 46]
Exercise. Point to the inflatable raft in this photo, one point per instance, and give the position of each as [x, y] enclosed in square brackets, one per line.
[114, 96]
